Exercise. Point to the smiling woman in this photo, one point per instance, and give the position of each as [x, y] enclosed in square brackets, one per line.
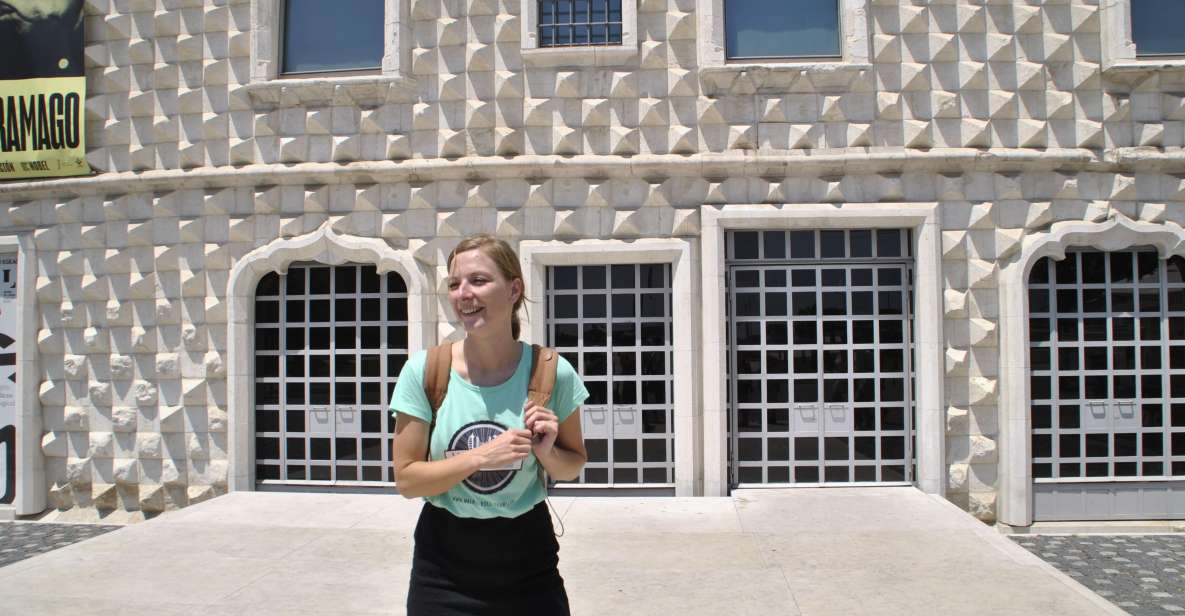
[484, 541]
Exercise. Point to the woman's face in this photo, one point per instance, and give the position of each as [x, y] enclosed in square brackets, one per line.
[482, 298]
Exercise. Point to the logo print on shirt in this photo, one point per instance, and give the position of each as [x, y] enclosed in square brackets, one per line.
[472, 436]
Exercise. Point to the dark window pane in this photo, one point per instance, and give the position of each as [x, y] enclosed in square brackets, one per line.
[888, 243]
[1156, 27]
[774, 244]
[294, 367]
[745, 245]
[1066, 270]
[1040, 272]
[1042, 417]
[860, 243]
[1042, 446]
[783, 28]
[806, 448]
[327, 36]
[1069, 445]
[1068, 417]
[1097, 445]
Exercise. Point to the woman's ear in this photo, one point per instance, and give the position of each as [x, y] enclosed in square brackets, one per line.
[516, 289]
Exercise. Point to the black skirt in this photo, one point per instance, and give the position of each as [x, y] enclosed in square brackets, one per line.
[495, 566]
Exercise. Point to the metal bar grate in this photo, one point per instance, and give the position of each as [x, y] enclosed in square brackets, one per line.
[1107, 363]
[565, 23]
[613, 323]
[329, 344]
[820, 357]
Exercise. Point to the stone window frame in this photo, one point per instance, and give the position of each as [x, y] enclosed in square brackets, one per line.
[577, 55]
[929, 345]
[1015, 490]
[1120, 55]
[321, 246]
[718, 75]
[363, 87]
[537, 255]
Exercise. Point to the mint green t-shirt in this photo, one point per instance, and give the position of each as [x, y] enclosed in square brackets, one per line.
[470, 416]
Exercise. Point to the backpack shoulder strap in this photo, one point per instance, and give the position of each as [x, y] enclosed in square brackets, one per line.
[436, 375]
[543, 368]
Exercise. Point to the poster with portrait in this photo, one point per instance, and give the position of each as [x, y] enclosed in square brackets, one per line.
[8, 408]
[42, 89]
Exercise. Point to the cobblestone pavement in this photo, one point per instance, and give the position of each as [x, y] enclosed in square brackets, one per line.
[21, 540]
[1143, 574]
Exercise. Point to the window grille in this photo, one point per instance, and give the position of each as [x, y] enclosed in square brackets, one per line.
[566, 23]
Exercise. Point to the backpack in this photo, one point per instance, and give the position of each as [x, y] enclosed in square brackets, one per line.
[440, 360]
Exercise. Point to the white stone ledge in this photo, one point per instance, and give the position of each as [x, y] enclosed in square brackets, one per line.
[776, 78]
[553, 57]
[722, 165]
[1131, 72]
[366, 91]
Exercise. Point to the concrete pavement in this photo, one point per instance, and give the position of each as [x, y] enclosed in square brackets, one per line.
[814, 552]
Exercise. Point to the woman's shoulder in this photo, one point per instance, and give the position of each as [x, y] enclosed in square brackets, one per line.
[415, 363]
[564, 368]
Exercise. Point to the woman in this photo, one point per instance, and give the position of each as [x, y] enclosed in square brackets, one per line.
[484, 542]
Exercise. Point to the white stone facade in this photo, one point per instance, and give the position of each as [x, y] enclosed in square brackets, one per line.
[999, 130]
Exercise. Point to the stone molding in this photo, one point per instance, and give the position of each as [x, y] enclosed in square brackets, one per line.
[749, 78]
[321, 246]
[363, 91]
[960, 160]
[1015, 496]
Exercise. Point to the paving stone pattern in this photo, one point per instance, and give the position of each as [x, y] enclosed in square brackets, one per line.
[1143, 574]
[21, 540]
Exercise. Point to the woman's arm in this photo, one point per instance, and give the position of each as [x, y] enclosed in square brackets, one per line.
[416, 477]
[564, 456]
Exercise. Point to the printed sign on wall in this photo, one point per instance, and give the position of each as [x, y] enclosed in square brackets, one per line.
[9, 322]
[42, 89]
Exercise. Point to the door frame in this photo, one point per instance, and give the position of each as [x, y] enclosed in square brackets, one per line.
[31, 495]
[906, 266]
[929, 368]
[321, 246]
[1015, 500]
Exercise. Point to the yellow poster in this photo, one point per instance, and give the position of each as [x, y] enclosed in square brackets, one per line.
[42, 89]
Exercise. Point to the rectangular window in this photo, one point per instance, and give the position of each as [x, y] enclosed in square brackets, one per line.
[323, 36]
[567, 23]
[764, 29]
[1156, 27]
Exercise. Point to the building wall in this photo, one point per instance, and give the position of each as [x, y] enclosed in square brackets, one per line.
[998, 112]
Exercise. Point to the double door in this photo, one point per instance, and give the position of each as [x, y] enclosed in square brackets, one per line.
[820, 382]
[329, 344]
[1107, 386]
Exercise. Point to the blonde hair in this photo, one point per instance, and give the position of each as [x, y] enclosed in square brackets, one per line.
[504, 258]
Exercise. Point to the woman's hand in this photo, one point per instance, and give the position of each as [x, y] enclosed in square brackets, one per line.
[509, 447]
[543, 425]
